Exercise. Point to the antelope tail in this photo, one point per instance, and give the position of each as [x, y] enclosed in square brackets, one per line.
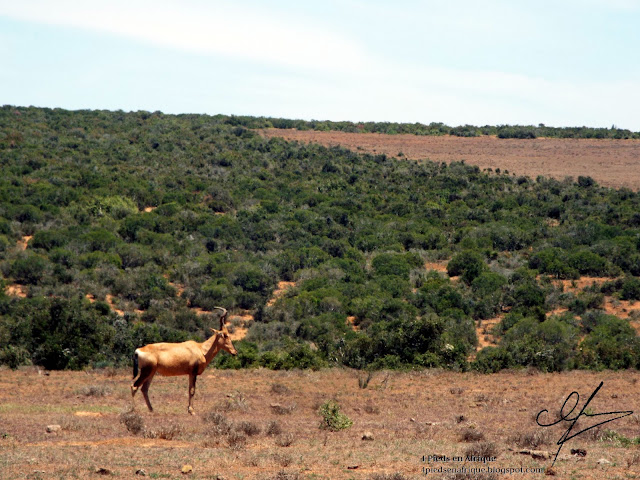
[135, 365]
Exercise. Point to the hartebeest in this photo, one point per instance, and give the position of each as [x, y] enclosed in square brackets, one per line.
[171, 359]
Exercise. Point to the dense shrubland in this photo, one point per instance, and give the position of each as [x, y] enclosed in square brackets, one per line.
[157, 214]
[434, 128]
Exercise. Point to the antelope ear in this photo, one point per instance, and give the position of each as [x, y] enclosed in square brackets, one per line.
[215, 331]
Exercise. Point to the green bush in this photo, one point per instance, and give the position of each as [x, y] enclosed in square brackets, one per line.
[49, 239]
[391, 264]
[332, 419]
[553, 261]
[238, 213]
[492, 360]
[100, 239]
[611, 343]
[549, 345]
[13, 356]
[588, 263]
[630, 289]
[116, 206]
[29, 269]
[468, 265]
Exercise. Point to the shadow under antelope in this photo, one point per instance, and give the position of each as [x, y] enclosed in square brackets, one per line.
[172, 359]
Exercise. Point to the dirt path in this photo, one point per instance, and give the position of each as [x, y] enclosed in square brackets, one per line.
[612, 163]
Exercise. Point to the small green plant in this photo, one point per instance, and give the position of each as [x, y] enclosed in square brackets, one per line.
[332, 418]
[613, 436]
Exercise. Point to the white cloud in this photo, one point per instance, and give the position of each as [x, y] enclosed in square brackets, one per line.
[220, 27]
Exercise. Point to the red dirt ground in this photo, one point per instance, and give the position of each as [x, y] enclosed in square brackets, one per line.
[408, 414]
[612, 163]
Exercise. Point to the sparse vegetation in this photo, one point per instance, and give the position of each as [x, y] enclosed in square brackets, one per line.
[248, 428]
[284, 440]
[165, 432]
[371, 408]
[92, 435]
[133, 422]
[471, 435]
[218, 424]
[363, 380]
[283, 409]
[235, 401]
[273, 428]
[236, 440]
[96, 390]
[388, 476]
[482, 449]
[280, 389]
[532, 439]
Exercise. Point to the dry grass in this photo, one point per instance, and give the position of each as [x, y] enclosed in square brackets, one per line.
[274, 428]
[133, 421]
[249, 428]
[95, 391]
[482, 449]
[371, 409]
[165, 432]
[280, 389]
[282, 409]
[532, 439]
[285, 440]
[471, 435]
[236, 434]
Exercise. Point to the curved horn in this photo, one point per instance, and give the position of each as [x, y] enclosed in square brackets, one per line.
[223, 317]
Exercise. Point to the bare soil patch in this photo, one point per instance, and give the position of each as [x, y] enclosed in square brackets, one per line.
[24, 242]
[437, 266]
[283, 286]
[16, 290]
[483, 332]
[612, 163]
[408, 415]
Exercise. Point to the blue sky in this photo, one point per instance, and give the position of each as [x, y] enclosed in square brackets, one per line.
[561, 62]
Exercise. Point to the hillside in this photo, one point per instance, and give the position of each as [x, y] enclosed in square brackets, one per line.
[119, 229]
[611, 162]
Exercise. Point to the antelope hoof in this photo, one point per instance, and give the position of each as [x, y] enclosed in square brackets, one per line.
[191, 411]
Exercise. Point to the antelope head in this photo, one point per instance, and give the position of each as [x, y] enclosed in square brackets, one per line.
[222, 335]
[223, 340]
